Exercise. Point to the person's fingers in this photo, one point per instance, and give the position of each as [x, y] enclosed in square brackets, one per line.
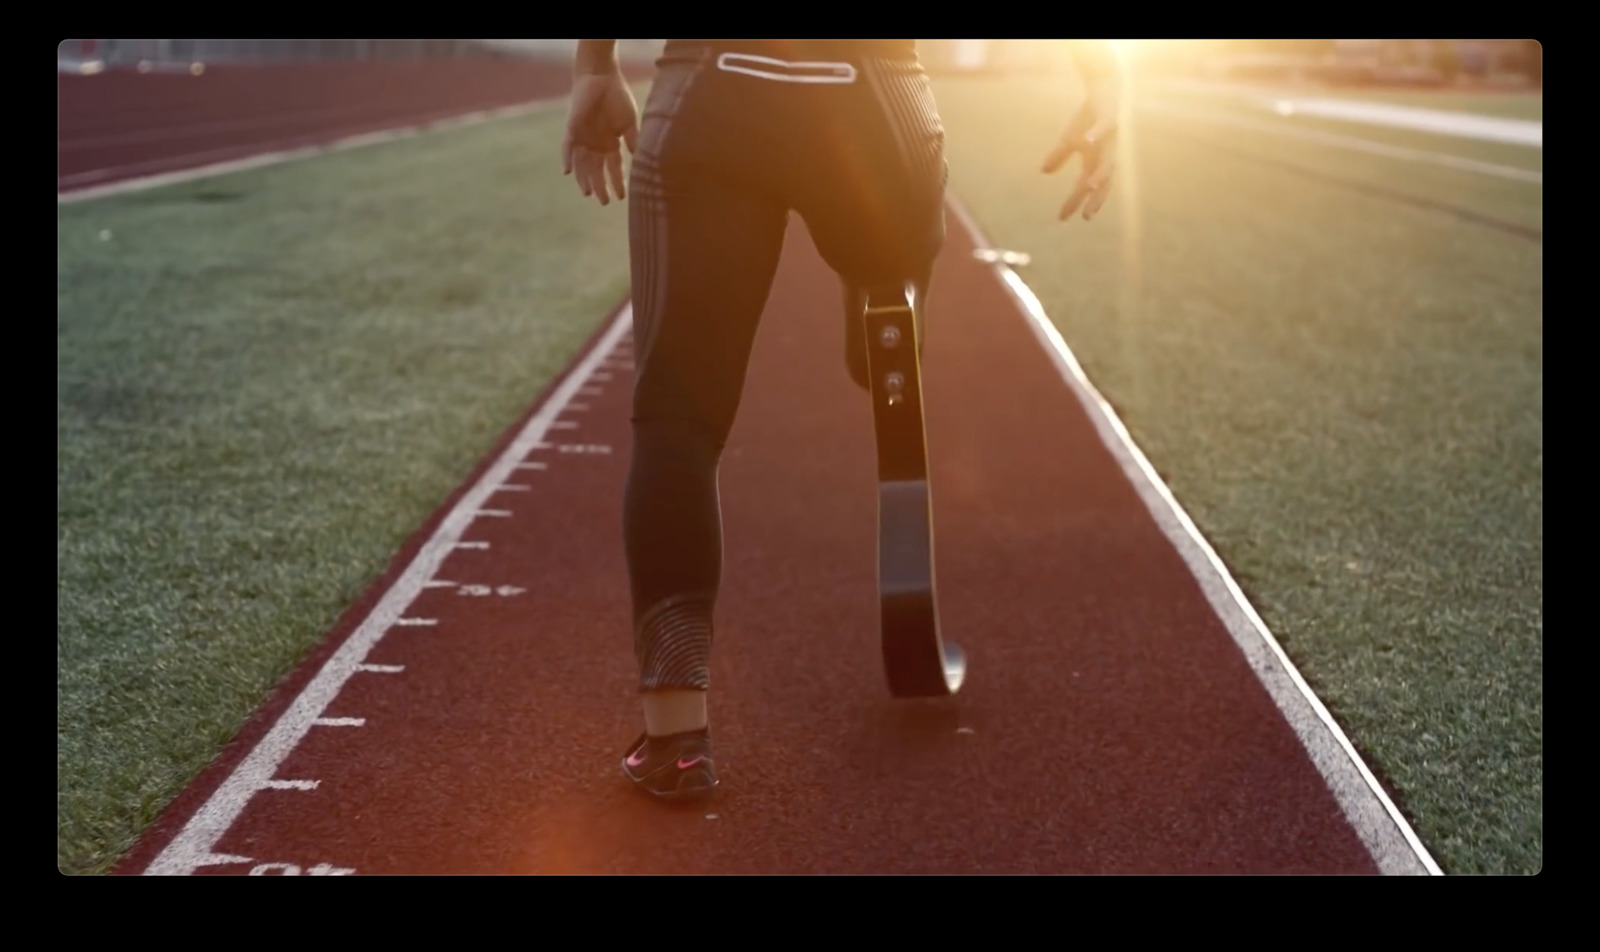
[1081, 191]
[1072, 140]
[578, 113]
[597, 177]
[1097, 176]
[582, 168]
[1094, 182]
[593, 176]
[613, 162]
[1075, 200]
[1062, 151]
[1097, 198]
[1101, 133]
[1103, 164]
[1099, 180]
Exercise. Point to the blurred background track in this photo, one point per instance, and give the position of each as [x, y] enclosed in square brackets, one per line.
[128, 108]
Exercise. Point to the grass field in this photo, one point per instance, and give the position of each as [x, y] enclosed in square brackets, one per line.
[1344, 386]
[266, 381]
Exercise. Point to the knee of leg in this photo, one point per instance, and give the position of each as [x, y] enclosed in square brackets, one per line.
[675, 443]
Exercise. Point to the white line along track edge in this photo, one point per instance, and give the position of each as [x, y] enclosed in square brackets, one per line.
[1394, 846]
[193, 846]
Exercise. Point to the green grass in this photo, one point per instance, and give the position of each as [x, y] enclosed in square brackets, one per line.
[1198, 131]
[1507, 154]
[1345, 390]
[264, 383]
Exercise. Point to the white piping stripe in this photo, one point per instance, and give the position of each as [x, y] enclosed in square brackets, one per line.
[842, 73]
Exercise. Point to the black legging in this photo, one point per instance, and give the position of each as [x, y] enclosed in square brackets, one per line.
[723, 157]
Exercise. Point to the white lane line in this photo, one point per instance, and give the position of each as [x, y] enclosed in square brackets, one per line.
[1394, 846]
[472, 545]
[206, 827]
[292, 784]
[512, 488]
[533, 465]
[438, 583]
[495, 513]
[291, 869]
[1441, 121]
[276, 157]
[202, 128]
[564, 425]
[1354, 143]
[377, 669]
[340, 722]
[416, 622]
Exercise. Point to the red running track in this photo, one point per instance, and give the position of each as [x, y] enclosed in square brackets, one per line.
[468, 713]
[1110, 723]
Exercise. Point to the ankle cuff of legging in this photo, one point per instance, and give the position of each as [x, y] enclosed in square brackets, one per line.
[673, 645]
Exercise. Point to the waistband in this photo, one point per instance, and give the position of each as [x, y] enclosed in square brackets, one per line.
[797, 51]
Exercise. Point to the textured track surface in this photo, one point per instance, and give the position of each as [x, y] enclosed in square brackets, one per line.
[1109, 723]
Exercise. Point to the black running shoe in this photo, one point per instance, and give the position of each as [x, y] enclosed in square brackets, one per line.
[675, 767]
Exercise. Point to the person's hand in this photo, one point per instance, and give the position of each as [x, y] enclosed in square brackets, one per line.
[1093, 132]
[601, 117]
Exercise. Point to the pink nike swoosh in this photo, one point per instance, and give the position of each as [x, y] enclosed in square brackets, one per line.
[636, 759]
[686, 764]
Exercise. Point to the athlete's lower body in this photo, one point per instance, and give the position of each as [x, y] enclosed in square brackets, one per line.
[729, 145]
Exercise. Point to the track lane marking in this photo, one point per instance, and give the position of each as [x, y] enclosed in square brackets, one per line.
[1391, 841]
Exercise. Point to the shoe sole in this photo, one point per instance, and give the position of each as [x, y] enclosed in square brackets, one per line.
[692, 785]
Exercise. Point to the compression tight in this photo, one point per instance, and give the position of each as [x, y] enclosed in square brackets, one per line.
[730, 144]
